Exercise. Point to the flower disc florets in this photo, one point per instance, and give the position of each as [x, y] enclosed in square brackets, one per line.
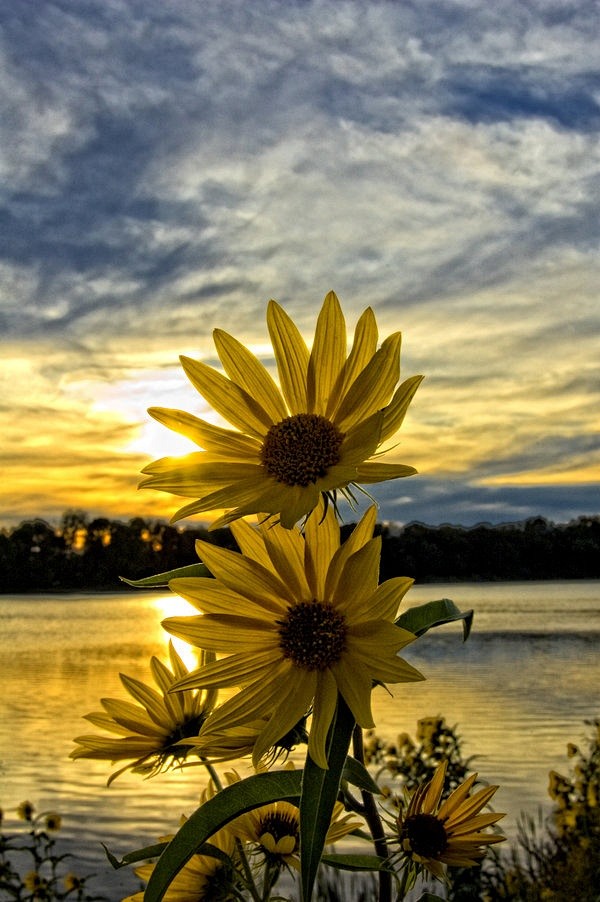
[313, 635]
[301, 449]
[278, 832]
[425, 835]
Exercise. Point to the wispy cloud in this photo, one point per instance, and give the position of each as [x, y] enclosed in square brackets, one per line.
[167, 169]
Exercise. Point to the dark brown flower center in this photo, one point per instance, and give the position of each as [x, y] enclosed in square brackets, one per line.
[425, 835]
[280, 825]
[301, 449]
[313, 635]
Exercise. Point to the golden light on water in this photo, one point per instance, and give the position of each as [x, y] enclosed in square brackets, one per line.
[171, 605]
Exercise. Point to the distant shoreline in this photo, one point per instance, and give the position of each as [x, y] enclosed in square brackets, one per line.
[83, 555]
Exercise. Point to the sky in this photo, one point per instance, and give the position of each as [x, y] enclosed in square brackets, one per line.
[166, 168]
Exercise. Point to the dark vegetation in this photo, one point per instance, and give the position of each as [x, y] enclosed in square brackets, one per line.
[84, 554]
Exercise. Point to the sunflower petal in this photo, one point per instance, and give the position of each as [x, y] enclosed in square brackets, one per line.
[435, 788]
[194, 474]
[285, 548]
[209, 597]
[258, 699]
[373, 388]
[250, 542]
[327, 355]
[395, 412]
[355, 683]
[234, 670]
[326, 697]
[471, 806]
[227, 398]
[454, 801]
[292, 706]
[291, 355]
[322, 533]
[363, 349]
[223, 442]
[360, 535]
[369, 472]
[245, 370]
[222, 633]
[245, 576]
[358, 579]
[149, 698]
[386, 599]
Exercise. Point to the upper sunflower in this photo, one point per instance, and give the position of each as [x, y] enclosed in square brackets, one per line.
[315, 435]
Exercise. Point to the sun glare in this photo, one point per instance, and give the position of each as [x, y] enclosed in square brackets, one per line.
[173, 606]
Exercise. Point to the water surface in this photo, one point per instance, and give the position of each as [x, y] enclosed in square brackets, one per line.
[518, 691]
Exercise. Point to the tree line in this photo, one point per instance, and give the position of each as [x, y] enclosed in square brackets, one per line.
[90, 554]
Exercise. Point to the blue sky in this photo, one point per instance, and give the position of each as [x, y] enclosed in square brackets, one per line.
[169, 167]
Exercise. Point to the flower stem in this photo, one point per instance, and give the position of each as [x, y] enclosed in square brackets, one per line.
[373, 820]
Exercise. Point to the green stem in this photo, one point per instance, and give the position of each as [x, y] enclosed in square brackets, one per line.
[248, 878]
[373, 821]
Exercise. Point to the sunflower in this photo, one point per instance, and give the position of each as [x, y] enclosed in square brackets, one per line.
[317, 435]
[238, 742]
[275, 830]
[151, 731]
[433, 833]
[300, 617]
[203, 878]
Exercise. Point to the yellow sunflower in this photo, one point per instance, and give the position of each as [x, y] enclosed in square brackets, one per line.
[238, 742]
[151, 732]
[203, 878]
[317, 435]
[433, 833]
[300, 617]
[275, 829]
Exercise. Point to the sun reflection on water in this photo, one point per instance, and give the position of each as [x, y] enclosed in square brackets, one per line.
[171, 605]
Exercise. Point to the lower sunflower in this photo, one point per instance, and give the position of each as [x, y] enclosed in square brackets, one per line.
[274, 830]
[301, 618]
[203, 878]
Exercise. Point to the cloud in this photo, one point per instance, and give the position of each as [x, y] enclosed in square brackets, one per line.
[167, 169]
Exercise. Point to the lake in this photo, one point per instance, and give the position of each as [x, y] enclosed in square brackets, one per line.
[518, 691]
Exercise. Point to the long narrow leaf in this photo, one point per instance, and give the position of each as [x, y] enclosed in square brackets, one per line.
[357, 774]
[163, 579]
[357, 862]
[423, 617]
[131, 857]
[319, 793]
[260, 789]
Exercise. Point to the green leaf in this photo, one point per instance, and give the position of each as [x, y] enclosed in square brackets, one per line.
[154, 852]
[357, 774]
[163, 579]
[131, 857]
[319, 793]
[424, 617]
[229, 803]
[357, 862]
